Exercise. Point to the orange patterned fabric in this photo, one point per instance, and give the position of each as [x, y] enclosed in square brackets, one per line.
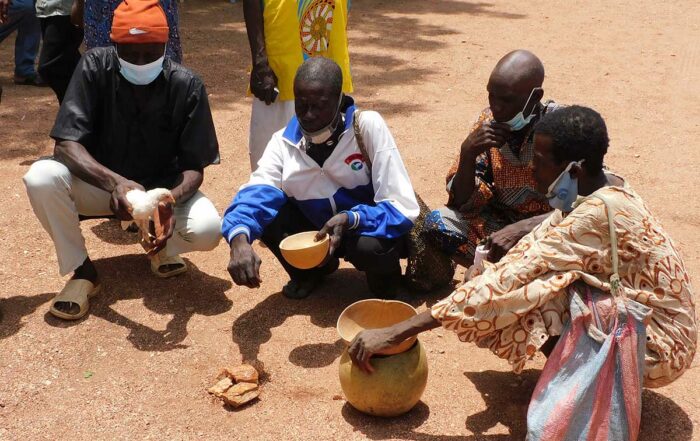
[516, 304]
[505, 190]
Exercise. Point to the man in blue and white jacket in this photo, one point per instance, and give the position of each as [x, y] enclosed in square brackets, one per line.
[313, 176]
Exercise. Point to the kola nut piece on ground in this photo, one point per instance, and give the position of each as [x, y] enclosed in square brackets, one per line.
[222, 386]
[240, 394]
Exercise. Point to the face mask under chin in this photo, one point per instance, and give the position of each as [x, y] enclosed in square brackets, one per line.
[324, 134]
[519, 121]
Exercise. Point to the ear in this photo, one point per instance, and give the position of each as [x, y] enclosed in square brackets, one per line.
[576, 171]
[538, 95]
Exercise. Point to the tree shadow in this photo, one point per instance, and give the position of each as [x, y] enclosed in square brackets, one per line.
[129, 277]
[446, 7]
[379, 28]
[376, 26]
[221, 56]
[14, 309]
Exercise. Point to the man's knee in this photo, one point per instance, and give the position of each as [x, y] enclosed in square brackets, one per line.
[45, 175]
[374, 254]
[205, 232]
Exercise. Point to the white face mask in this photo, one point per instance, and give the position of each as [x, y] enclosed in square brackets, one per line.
[324, 134]
[141, 74]
[519, 121]
[562, 193]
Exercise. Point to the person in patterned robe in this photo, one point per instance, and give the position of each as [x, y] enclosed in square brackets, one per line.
[490, 185]
[521, 302]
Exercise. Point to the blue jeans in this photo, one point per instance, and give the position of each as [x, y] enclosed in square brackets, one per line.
[22, 17]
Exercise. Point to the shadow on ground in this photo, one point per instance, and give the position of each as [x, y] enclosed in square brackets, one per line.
[129, 277]
[254, 327]
[404, 427]
[14, 309]
[663, 419]
[110, 231]
[222, 57]
[506, 396]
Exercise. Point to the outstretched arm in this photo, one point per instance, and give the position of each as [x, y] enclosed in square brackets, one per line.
[370, 342]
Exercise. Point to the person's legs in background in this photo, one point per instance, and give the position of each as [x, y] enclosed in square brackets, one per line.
[265, 120]
[59, 54]
[22, 17]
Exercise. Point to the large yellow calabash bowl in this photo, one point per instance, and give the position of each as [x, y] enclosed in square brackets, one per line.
[303, 252]
[395, 386]
[373, 314]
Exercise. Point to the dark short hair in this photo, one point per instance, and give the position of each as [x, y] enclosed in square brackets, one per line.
[577, 133]
[321, 69]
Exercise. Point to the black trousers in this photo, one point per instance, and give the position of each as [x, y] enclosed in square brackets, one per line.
[59, 52]
[378, 258]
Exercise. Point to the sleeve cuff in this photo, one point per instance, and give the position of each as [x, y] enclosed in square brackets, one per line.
[241, 229]
[353, 218]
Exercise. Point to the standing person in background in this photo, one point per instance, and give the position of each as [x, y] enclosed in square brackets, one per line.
[282, 34]
[59, 53]
[96, 17]
[20, 15]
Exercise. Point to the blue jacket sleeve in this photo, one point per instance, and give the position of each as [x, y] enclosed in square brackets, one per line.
[253, 209]
[257, 203]
[383, 220]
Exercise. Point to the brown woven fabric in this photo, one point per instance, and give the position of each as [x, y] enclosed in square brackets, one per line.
[428, 267]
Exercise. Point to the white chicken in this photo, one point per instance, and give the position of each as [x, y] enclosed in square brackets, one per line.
[144, 207]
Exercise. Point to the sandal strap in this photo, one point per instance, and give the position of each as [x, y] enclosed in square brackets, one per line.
[161, 259]
[76, 291]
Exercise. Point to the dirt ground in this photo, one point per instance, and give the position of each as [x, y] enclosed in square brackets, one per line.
[138, 366]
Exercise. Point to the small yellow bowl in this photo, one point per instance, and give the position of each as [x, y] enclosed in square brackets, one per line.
[373, 314]
[302, 251]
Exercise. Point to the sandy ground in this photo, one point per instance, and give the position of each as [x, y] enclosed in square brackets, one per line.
[138, 366]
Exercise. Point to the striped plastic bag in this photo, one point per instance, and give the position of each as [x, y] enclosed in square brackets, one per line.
[591, 386]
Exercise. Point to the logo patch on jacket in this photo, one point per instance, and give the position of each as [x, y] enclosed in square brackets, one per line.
[355, 161]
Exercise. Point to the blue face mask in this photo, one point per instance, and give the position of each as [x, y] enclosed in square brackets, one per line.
[519, 121]
[141, 75]
[563, 191]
